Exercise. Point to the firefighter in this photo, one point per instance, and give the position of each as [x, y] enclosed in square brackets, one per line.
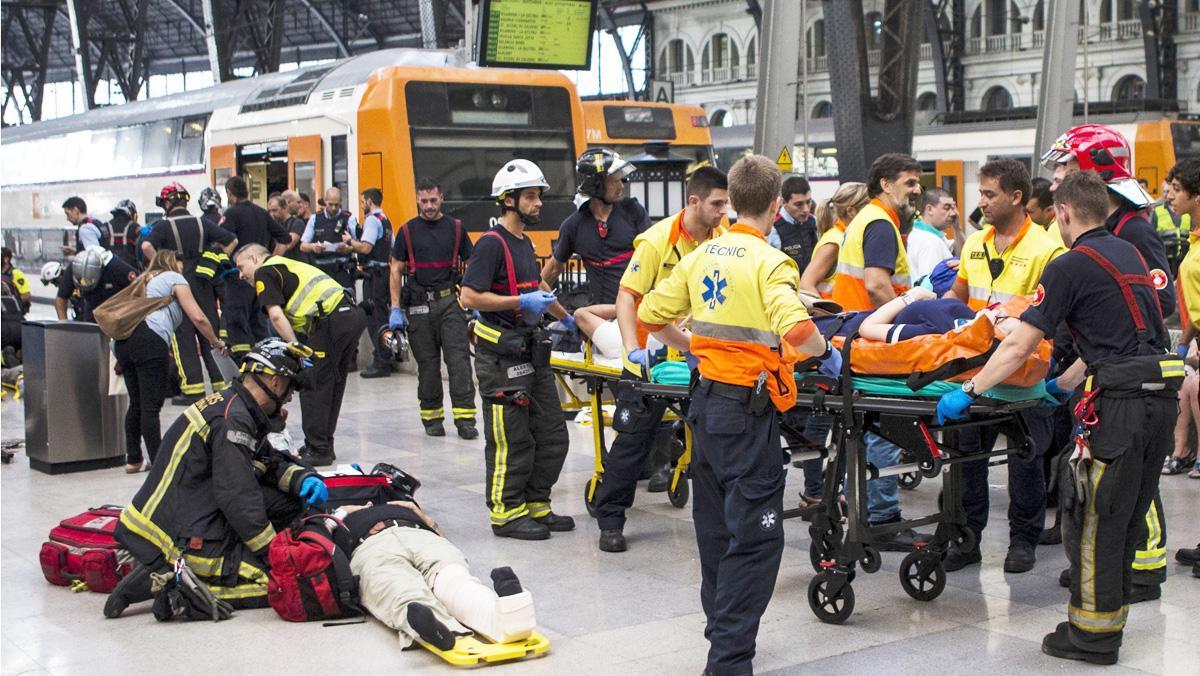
[373, 243]
[1100, 149]
[243, 319]
[219, 500]
[95, 276]
[124, 227]
[210, 206]
[748, 325]
[89, 231]
[656, 253]
[1004, 260]
[428, 249]
[524, 431]
[190, 238]
[1125, 417]
[327, 239]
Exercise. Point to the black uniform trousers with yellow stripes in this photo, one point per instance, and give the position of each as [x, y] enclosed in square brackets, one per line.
[525, 438]
[190, 349]
[1103, 528]
[242, 318]
[437, 330]
[334, 340]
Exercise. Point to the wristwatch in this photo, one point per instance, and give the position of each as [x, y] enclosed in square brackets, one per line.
[969, 388]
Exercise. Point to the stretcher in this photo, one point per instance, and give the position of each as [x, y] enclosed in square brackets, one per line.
[470, 651]
[599, 374]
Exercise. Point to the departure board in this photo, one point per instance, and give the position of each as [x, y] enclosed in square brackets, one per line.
[536, 33]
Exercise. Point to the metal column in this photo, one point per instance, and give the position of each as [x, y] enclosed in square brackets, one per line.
[1056, 98]
[782, 39]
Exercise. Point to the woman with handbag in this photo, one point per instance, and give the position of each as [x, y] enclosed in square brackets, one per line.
[142, 356]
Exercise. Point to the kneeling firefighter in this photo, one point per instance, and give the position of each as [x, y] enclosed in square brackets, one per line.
[524, 431]
[200, 525]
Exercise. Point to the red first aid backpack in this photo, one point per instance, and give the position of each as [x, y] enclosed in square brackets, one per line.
[310, 576]
[82, 547]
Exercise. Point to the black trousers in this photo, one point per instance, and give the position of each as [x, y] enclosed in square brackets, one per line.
[1026, 479]
[191, 349]
[1103, 527]
[334, 339]
[143, 360]
[524, 445]
[244, 321]
[438, 331]
[376, 303]
[737, 507]
[636, 422]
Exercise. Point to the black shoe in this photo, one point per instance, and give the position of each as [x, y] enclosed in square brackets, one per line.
[317, 458]
[1058, 644]
[1188, 557]
[903, 540]
[434, 428]
[133, 588]
[660, 481]
[185, 399]
[1150, 592]
[1050, 536]
[375, 371]
[1020, 559]
[612, 540]
[467, 431]
[1064, 578]
[429, 628]
[523, 528]
[505, 582]
[556, 522]
[957, 559]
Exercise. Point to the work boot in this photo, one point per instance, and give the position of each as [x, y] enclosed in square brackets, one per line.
[434, 428]
[1058, 644]
[505, 582]
[133, 588]
[185, 399]
[317, 458]
[556, 522]
[429, 628]
[1145, 592]
[1021, 559]
[660, 481]
[523, 528]
[1064, 578]
[901, 541]
[612, 540]
[1188, 557]
[958, 558]
[467, 430]
[376, 371]
[1050, 536]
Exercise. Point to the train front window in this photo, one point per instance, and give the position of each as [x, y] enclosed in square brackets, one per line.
[464, 162]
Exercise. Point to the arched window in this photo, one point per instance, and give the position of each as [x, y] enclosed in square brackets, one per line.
[977, 22]
[874, 29]
[720, 118]
[997, 98]
[677, 59]
[927, 101]
[719, 58]
[822, 110]
[1129, 88]
[815, 42]
[1039, 16]
[1126, 10]
[997, 17]
[1106, 11]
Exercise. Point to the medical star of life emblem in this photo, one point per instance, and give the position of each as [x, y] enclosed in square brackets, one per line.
[767, 522]
[714, 289]
[624, 415]
[637, 266]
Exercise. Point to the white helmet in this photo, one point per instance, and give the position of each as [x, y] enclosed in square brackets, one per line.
[51, 272]
[517, 175]
[88, 266]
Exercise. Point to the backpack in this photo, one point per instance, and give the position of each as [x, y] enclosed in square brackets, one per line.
[82, 550]
[120, 315]
[310, 577]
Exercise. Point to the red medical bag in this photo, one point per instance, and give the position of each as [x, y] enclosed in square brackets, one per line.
[82, 548]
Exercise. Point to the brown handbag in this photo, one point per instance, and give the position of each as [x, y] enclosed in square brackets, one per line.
[120, 315]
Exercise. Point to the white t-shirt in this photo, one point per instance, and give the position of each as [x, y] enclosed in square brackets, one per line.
[925, 251]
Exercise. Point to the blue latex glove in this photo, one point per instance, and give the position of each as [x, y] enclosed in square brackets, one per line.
[831, 364]
[1054, 390]
[569, 326]
[641, 357]
[397, 320]
[534, 304]
[953, 405]
[692, 360]
[1182, 350]
[313, 490]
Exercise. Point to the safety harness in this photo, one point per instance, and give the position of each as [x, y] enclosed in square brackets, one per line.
[452, 263]
[513, 287]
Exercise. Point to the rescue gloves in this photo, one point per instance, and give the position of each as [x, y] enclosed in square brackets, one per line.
[180, 595]
[534, 305]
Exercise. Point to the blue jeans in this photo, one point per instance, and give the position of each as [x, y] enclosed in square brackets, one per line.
[883, 495]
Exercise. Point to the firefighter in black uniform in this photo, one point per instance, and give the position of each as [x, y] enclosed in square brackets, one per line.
[300, 300]
[224, 493]
[373, 244]
[124, 227]
[1094, 147]
[251, 224]
[190, 238]
[1124, 420]
[89, 231]
[327, 239]
[601, 231]
[428, 249]
[94, 276]
[526, 437]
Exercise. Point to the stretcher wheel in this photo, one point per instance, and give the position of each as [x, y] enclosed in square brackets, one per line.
[589, 495]
[679, 495]
[930, 468]
[871, 560]
[830, 608]
[922, 576]
[910, 480]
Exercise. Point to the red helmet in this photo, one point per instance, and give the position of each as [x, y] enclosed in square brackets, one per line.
[1103, 150]
[172, 193]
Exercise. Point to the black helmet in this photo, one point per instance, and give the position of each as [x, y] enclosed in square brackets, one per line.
[209, 199]
[597, 164]
[126, 207]
[276, 357]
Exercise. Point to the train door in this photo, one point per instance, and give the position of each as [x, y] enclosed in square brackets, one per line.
[222, 164]
[265, 168]
[948, 175]
[304, 155]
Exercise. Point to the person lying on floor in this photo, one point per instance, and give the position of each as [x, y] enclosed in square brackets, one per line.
[417, 582]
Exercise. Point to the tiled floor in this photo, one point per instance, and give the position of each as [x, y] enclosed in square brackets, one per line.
[634, 613]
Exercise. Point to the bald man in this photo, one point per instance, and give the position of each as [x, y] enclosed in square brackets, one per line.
[327, 239]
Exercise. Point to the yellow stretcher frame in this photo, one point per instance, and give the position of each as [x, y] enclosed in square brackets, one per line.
[470, 651]
[596, 376]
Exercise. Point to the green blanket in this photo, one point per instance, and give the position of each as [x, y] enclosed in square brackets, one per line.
[896, 387]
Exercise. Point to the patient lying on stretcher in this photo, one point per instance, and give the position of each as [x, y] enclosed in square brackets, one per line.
[918, 312]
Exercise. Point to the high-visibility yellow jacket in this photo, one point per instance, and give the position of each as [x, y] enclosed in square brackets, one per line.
[833, 236]
[317, 295]
[1018, 267]
[849, 286]
[746, 313]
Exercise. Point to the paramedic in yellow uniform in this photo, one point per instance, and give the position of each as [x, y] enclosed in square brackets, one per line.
[748, 326]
